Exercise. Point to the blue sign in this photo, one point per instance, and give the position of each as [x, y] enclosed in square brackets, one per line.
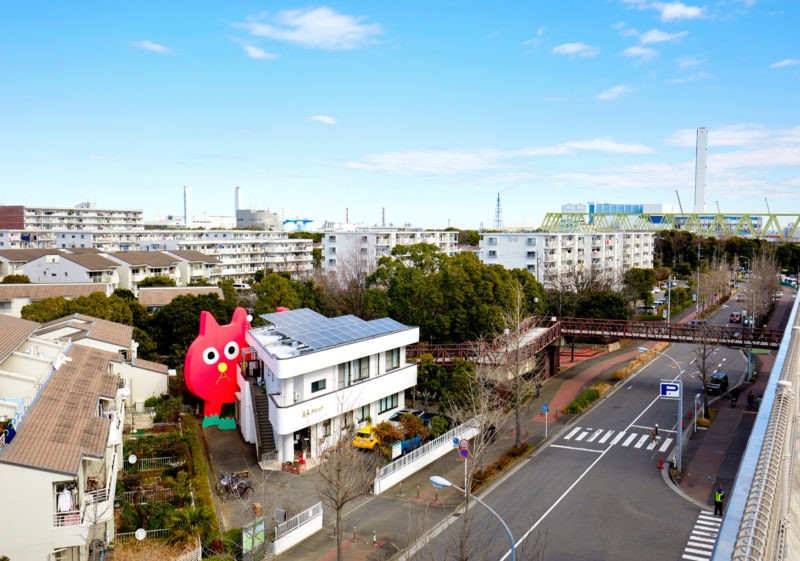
[545, 408]
[455, 442]
[670, 390]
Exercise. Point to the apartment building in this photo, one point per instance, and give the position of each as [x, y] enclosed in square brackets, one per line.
[85, 216]
[358, 249]
[560, 259]
[64, 387]
[322, 377]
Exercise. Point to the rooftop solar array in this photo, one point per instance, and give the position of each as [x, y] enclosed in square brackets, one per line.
[319, 332]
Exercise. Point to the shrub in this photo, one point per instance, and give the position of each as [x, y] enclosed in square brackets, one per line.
[582, 401]
[439, 426]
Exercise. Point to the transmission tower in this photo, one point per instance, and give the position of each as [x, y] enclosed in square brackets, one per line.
[498, 215]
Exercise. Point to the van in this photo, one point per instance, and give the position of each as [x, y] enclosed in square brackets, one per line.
[646, 310]
[718, 383]
[241, 286]
[736, 317]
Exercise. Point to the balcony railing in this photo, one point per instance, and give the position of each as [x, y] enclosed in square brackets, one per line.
[68, 518]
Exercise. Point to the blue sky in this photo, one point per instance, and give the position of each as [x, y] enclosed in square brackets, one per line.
[425, 109]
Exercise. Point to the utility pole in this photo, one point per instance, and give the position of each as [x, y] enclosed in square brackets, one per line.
[669, 297]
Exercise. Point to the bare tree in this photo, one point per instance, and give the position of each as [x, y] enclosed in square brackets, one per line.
[346, 473]
[518, 360]
[347, 286]
[761, 285]
[702, 351]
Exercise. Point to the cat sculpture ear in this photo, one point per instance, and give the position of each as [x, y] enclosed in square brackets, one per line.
[207, 322]
[241, 317]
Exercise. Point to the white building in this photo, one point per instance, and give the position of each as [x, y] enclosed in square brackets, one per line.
[84, 216]
[557, 259]
[324, 376]
[358, 249]
[62, 393]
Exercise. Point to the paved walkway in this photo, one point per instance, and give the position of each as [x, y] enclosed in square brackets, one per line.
[711, 457]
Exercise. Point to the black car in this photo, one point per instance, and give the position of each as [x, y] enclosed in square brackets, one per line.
[718, 383]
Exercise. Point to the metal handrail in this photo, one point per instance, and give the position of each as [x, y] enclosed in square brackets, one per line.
[298, 520]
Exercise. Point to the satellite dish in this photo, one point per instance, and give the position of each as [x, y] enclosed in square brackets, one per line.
[141, 533]
[132, 459]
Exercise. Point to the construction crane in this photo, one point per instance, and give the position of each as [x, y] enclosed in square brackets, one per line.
[768, 210]
[679, 201]
[718, 210]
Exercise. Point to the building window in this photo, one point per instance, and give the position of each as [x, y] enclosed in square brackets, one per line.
[344, 375]
[362, 413]
[326, 427]
[392, 359]
[531, 255]
[331, 238]
[492, 253]
[387, 403]
[318, 385]
[361, 369]
[492, 241]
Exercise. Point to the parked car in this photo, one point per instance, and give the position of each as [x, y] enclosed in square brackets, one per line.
[241, 286]
[365, 438]
[779, 294]
[395, 418]
[747, 321]
[660, 302]
[718, 383]
[696, 322]
[646, 310]
[736, 317]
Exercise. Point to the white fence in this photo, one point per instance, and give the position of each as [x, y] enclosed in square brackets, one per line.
[296, 529]
[145, 464]
[160, 534]
[404, 466]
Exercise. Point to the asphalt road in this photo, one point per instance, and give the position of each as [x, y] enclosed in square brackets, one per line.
[595, 493]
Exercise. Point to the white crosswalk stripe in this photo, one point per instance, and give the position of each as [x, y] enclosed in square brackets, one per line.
[623, 438]
[701, 542]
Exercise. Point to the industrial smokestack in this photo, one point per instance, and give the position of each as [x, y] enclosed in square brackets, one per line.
[187, 206]
[237, 203]
[700, 171]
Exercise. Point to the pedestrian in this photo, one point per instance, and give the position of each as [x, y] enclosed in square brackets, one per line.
[655, 433]
[719, 496]
[538, 389]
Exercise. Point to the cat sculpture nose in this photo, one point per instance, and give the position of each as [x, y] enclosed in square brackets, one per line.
[222, 367]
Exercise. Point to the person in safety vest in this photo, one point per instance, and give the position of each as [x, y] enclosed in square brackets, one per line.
[719, 496]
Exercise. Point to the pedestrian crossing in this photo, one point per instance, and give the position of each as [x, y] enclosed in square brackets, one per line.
[704, 535]
[626, 439]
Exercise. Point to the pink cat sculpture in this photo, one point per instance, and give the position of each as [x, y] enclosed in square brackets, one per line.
[210, 368]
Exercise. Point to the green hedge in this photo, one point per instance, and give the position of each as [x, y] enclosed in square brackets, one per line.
[582, 401]
[200, 481]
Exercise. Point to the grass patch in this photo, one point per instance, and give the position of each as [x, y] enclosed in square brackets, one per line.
[635, 364]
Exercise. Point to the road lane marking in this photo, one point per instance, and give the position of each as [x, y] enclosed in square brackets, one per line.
[700, 545]
[576, 448]
[606, 436]
[597, 433]
[667, 442]
[641, 441]
[618, 438]
[572, 433]
[629, 439]
[582, 435]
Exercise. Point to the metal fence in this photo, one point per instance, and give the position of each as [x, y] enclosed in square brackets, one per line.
[162, 495]
[160, 534]
[420, 452]
[298, 520]
[144, 464]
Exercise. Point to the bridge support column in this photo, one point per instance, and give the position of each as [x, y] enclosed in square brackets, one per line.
[554, 358]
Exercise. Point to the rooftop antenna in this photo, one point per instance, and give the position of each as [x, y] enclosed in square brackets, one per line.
[498, 215]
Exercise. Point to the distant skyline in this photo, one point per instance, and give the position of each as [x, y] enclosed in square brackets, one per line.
[425, 109]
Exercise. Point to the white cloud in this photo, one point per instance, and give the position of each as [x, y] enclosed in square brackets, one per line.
[258, 53]
[615, 93]
[621, 28]
[152, 47]
[642, 53]
[456, 161]
[324, 119]
[576, 50]
[658, 36]
[690, 78]
[785, 62]
[688, 62]
[320, 28]
[676, 11]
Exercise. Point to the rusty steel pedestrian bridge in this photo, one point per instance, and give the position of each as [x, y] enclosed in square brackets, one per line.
[538, 333]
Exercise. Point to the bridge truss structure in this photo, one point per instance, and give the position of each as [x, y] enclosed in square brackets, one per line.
[778, 227]
[538, 333]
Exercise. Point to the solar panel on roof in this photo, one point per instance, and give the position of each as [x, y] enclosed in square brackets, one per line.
[319, 332]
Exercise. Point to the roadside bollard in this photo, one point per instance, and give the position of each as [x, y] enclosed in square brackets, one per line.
[417, 491]
[354, 533]
[400, 489]
[436, 496]
[374, 537]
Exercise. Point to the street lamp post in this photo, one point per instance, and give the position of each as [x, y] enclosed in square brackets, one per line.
[680, 404]
[440, 482]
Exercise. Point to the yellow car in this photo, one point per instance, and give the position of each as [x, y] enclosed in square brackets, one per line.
[365, 439]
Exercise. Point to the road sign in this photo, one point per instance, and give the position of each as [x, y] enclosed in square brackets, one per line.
[464, 453]
[670, 389]
[545, 408]
[455, 442]
[464, 444]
